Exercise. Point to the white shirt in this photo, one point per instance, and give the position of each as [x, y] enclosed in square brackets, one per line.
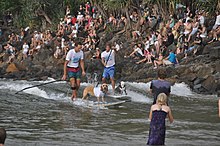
[38, 47]
[79, 17]
[201, 20]
[25, 48]
[109, 58]
[74, 58]
[147, 45]
[217, 21]
[139, 51]
[97, 92]
[117, 47]
[74, 32]
[62, 44]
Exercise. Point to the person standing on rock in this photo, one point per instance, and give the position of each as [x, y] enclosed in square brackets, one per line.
[160, 85]
[74, 60]
[108, 60]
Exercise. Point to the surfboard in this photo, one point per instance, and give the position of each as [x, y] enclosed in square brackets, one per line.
[109, 104]
[117, 96]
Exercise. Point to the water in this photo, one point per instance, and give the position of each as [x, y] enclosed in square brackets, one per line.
[44, 116]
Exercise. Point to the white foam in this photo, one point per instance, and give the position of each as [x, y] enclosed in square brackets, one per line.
[179, 89]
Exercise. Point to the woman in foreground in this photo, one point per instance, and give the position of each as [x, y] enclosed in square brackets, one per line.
[157, 116]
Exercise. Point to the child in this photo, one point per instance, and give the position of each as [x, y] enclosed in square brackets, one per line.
[157, 116]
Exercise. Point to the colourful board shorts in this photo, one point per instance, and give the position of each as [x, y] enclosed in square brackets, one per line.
[74, 73]
[109, 72]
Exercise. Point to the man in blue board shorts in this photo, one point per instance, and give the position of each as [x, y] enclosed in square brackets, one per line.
[108, 60]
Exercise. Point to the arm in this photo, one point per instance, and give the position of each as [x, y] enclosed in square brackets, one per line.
[197, 42]
[65, 70]
[103, 62]
[177, 61]
[170, 116]
[151, 86]
[82, 67]
[150, 114]
[132, 53]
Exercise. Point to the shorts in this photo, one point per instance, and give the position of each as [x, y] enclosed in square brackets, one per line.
[109, 72]
[74, 73]
[167, 62]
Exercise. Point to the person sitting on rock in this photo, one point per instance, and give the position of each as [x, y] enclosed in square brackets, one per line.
[57, 54]
[10, 50]
[97, 54]
[35, 49]
[25, 49]
[158, 61]
[137, 52]
[171, 59]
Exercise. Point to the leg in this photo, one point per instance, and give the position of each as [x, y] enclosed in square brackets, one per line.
[77, 86]
[98, 100]
[85, 94]
[74, 88]
[103, 99]
[103, 80]
[104, 75]
[111, 73]
[113, 84]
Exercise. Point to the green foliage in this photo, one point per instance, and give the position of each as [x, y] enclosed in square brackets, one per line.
[209, 6]
[25, 11]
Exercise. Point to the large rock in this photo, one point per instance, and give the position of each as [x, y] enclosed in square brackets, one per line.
[215, 52]
[210, 84]
[12, 68]
[205, 71]
[209, 47]
[190, 77]
[217, 66]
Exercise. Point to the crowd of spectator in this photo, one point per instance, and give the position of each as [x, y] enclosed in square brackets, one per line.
[155, 40]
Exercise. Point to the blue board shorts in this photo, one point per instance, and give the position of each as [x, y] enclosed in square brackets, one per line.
[109, 72]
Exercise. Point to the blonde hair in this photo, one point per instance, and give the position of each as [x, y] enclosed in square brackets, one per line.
[162, 99]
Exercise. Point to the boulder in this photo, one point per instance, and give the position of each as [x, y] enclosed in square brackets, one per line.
[210, 84]
[217, 66]
[12, 68]
[198, 81]
[214, 53]
[20, 66]
[204, 72]
[209, 47]
[196, 87]
[191, 77]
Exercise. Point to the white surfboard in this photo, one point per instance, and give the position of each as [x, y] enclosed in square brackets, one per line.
[118, 96]
[108, 104]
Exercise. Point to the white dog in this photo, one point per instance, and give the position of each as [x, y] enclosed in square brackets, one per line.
[121, 89]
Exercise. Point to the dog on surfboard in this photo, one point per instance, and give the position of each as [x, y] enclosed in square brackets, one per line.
[98, 92]
[121, 88]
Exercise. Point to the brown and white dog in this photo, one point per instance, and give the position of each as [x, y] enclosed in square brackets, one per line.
[98, 92]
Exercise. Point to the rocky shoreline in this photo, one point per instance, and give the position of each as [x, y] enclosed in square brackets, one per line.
[201, 72]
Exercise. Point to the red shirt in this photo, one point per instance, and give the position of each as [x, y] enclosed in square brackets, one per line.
[73, 20]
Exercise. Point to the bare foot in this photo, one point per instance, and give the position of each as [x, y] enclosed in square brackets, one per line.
[73, 98]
